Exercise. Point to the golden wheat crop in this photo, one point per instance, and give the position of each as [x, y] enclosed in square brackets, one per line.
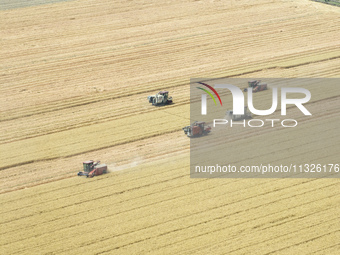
[75, 78]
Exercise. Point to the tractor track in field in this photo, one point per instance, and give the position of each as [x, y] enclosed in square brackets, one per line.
[88, 151]
[182, 100]
[75, 225]
[196, 224]
[151, 90]
[221, 228]
[244, 135]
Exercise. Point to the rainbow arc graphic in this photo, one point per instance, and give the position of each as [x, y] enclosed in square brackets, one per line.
[209, 93]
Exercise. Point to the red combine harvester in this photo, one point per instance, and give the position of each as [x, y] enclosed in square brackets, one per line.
[198, 128]
[256, 86]
[92, 168]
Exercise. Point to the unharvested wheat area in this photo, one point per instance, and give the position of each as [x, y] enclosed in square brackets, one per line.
[75, 76]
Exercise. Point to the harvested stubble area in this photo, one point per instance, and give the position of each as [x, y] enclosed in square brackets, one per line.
[74, 80]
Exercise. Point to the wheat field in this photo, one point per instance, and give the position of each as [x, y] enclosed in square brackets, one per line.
[75, 76]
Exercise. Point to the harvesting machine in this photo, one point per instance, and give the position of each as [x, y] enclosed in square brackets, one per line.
[92, 168]
[256, 86]
[161, 98]
[198, 128]
[236, 117]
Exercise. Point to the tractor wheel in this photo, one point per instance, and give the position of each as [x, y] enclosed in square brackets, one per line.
[154, 101]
